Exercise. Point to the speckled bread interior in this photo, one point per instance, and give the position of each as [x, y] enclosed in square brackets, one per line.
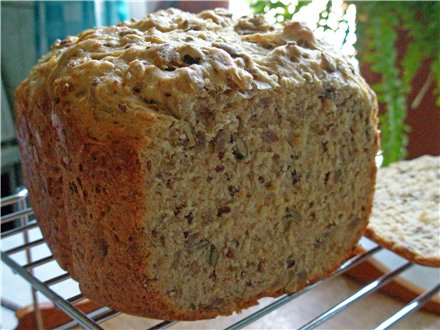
[182, 166]
[406, 217]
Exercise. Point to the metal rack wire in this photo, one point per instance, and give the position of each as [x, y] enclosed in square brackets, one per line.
[93, 320]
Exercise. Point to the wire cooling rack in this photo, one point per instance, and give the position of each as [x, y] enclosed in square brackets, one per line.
[22, 215]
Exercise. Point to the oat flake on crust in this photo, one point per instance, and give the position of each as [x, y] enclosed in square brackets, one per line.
[406, 212]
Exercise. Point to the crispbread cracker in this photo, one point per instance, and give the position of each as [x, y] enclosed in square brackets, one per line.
[406, 212]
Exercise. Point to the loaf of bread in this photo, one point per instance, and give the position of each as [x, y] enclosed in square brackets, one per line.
[182, 166]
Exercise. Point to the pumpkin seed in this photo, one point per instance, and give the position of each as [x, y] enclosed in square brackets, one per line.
[188, 132]
[241, 150]
[328, 63]
[200, 245]
[213, 256]
[292, 214]
[227, 48]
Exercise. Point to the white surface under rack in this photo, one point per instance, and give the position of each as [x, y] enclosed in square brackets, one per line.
[30, 271]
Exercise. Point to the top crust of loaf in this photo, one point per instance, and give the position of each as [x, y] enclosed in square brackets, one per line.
[182, 56]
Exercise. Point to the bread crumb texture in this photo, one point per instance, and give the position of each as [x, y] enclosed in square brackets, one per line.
[184, 165]
[406, 212]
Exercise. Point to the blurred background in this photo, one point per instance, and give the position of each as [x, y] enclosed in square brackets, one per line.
[396, 43]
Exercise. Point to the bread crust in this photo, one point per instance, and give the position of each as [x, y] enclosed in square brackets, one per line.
[403, 252]
[94, 138]
[41, 171]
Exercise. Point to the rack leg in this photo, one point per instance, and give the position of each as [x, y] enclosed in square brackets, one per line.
[24, 222]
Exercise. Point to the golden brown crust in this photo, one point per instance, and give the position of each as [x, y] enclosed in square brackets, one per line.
[402, 251]
[42, 173]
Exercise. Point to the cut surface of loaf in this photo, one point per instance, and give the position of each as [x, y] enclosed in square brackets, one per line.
[182, 166]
